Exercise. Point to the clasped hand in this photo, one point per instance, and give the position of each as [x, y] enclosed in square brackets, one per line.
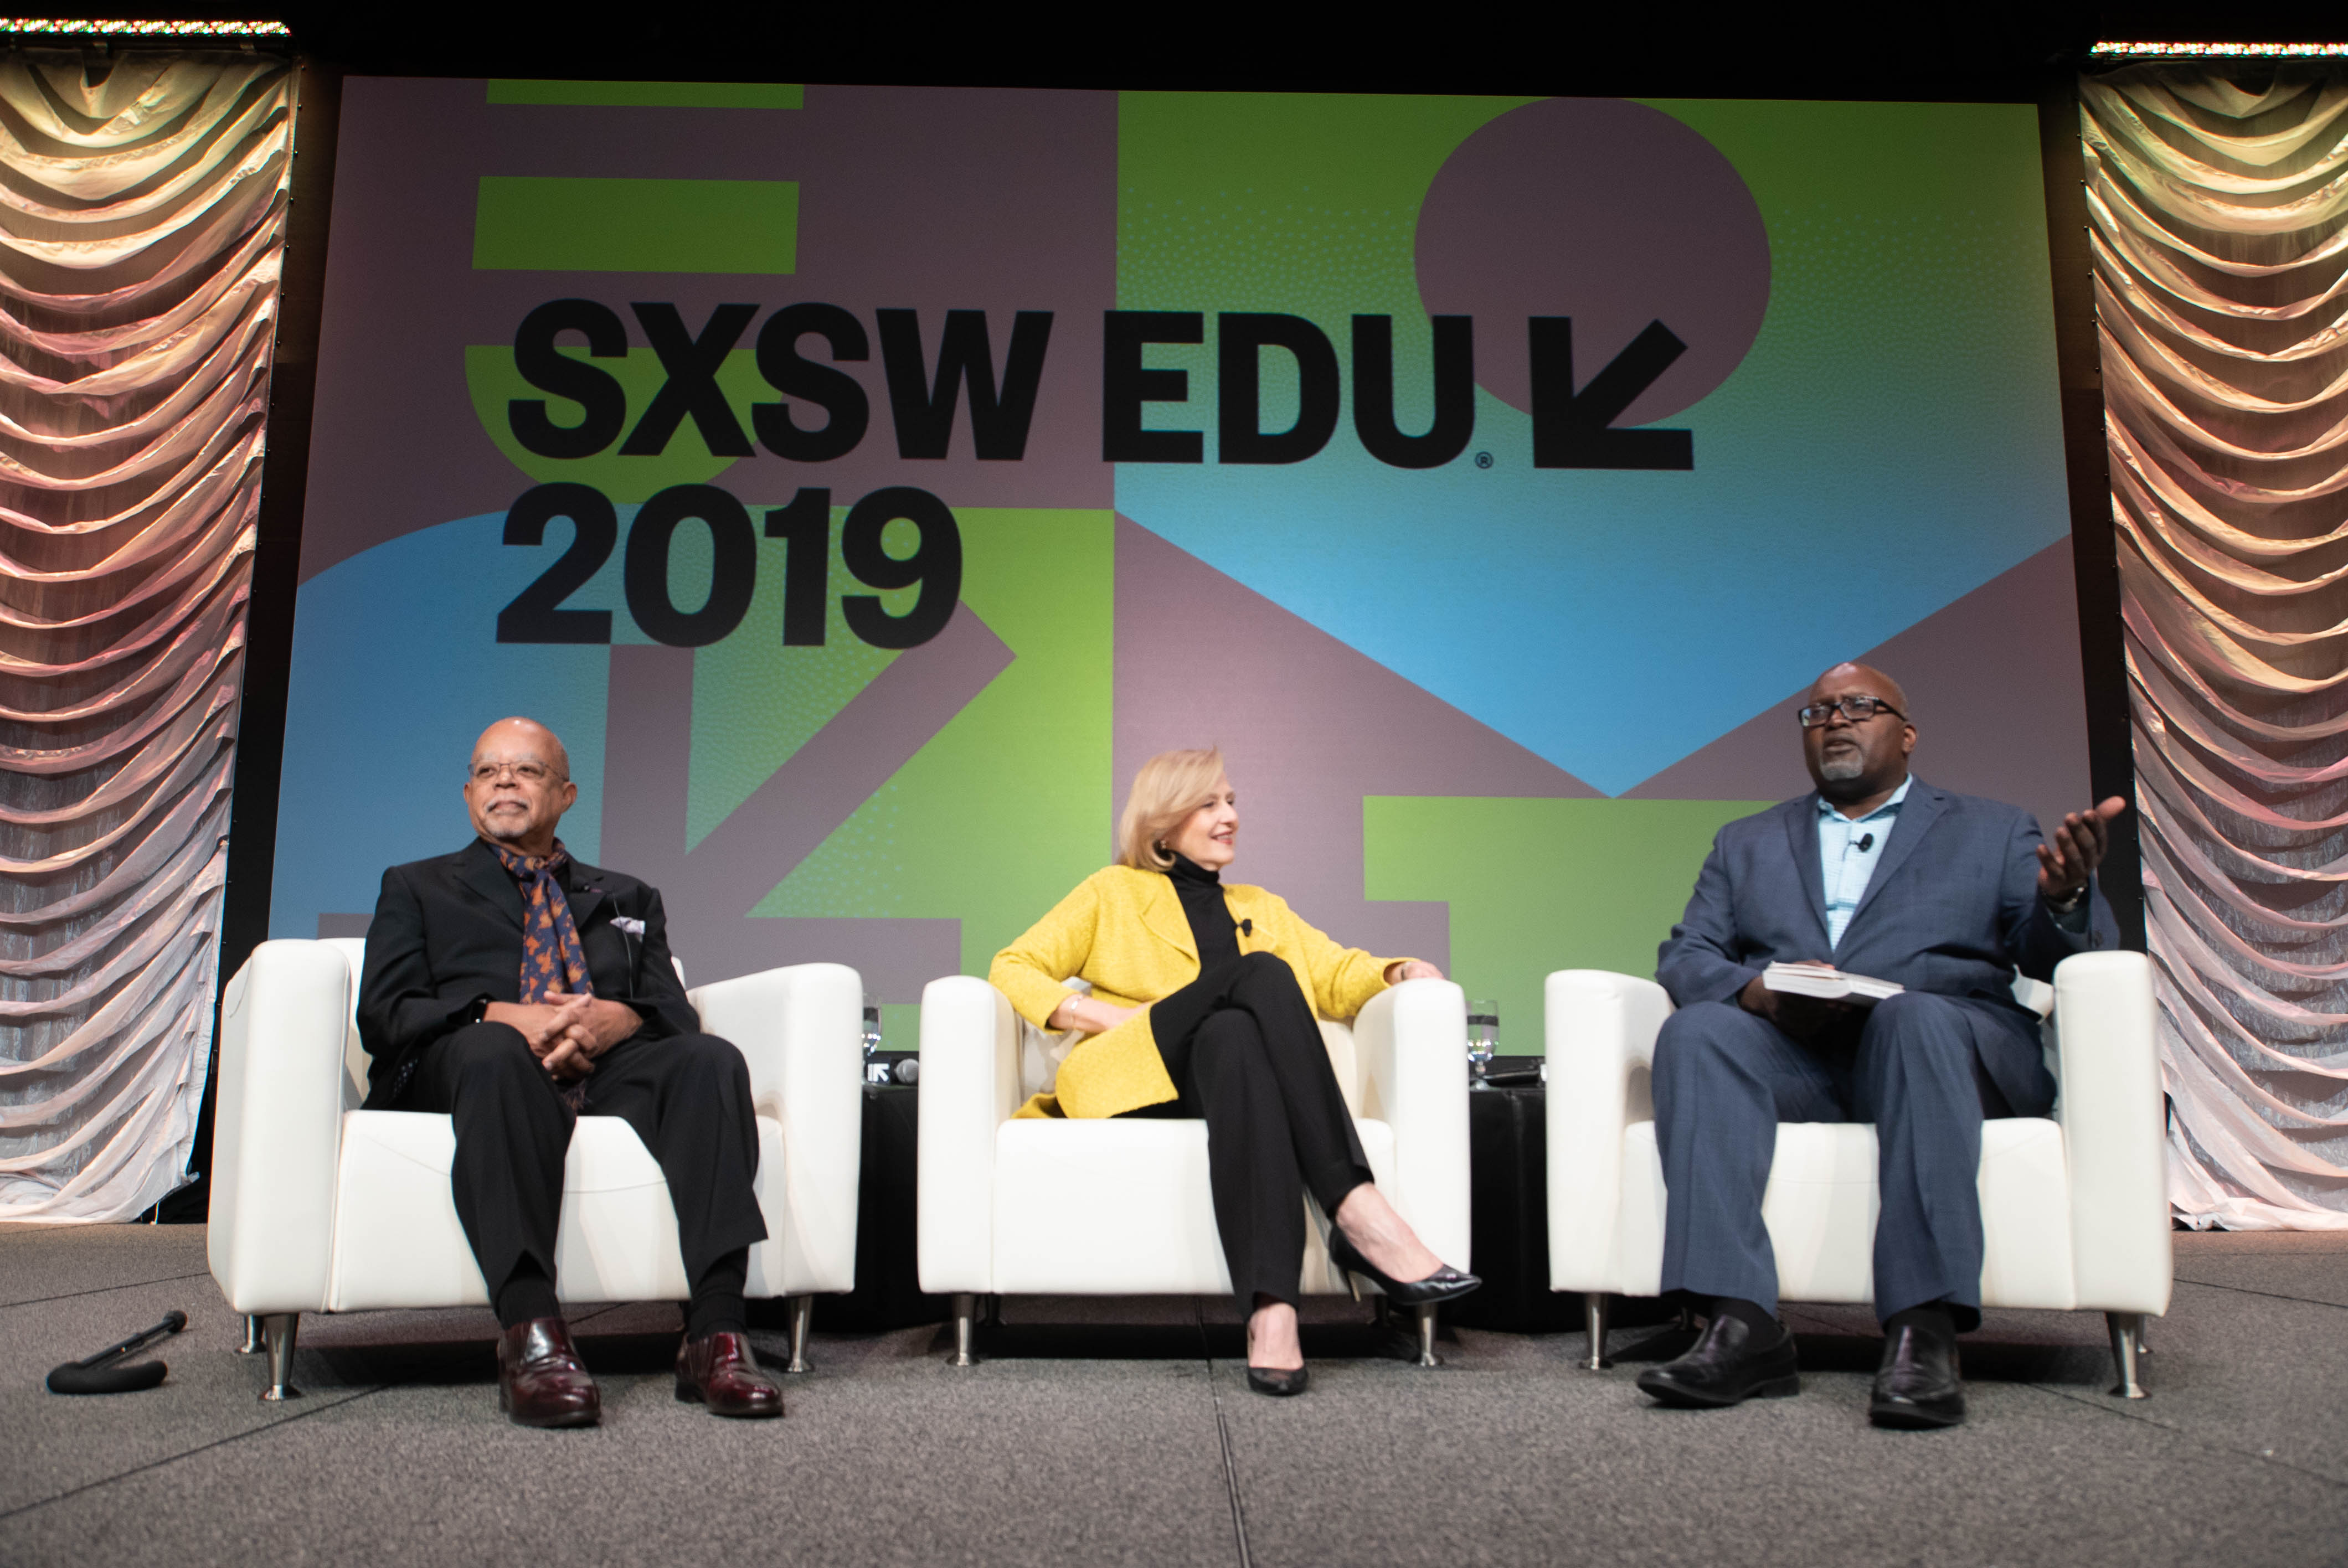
[566, 1032]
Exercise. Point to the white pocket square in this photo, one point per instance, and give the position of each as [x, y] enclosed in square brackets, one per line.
[632, 927]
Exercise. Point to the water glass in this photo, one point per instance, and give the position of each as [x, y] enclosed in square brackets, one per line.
[1483, 1040]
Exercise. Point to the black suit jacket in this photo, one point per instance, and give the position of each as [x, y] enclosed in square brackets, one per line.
[447, 933]
[1953, 909]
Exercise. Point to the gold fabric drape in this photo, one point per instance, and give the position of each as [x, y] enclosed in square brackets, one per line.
[142, 214]
[2218, 203]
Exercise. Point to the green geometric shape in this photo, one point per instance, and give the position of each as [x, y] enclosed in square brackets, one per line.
[1541, 885]
[647, 95]
[756, 701]
[541, 224]
[493, 382]
[1008, 806]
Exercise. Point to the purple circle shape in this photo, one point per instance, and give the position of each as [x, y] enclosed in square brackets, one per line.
[1610, 212]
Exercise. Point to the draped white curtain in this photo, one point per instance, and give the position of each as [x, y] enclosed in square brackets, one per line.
[2219, 202]
[141, 226]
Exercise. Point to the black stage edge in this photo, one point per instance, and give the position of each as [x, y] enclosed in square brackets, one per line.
[276, 574]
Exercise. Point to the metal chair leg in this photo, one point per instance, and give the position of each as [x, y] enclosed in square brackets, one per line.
[965, 1314]
[2125, 1327]
[1594, 1303]
[1427, 1357]
[2142, 1348]
[253, 1345]
[802, 1314]
[278, 1330]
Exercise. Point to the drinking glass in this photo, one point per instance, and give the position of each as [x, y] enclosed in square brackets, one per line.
[871, 1041]
[1483, 1040]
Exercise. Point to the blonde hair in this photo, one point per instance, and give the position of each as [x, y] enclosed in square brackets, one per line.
[1170, 787]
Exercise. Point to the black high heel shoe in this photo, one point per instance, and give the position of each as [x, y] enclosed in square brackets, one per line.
[1445, 1284]
[1278, 1385]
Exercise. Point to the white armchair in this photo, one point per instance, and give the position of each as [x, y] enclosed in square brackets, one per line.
[2074, 1211]
[319, 1206]
[1121, 1207]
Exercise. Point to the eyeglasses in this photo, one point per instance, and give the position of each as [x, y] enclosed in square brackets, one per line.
[528, 772]
[1857, 710]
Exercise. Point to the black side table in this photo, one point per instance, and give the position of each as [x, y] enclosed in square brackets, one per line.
[1508, 1154]
[888, 1293]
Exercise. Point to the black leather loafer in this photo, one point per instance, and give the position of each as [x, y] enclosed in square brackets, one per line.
[1917, 1387]
[1729, 1365]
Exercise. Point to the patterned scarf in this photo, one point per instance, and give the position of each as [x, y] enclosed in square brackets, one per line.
[552, 958]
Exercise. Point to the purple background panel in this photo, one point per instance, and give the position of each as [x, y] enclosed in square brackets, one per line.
[1994, 683]
[928, 198]
[1607, 211]
[1308, 727]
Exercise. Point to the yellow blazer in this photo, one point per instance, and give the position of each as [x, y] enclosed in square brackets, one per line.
[1125, 931]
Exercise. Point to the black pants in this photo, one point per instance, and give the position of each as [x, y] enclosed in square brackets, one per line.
[1245, 1052]
[688, 1097]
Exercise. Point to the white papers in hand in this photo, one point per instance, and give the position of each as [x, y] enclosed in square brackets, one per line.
[1828, 985]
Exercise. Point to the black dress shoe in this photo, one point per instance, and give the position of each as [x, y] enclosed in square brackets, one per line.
[1278, 1385]
[721, 1371]
[1445, 1284]
[1729, 1364]
[1917, 1387]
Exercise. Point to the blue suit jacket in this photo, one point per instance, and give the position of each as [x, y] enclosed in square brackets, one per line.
[1953, 909]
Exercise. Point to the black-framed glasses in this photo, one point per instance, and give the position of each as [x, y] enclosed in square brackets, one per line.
[1857, 710]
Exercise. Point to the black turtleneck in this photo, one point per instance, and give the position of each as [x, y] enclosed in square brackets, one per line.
[1212, 926]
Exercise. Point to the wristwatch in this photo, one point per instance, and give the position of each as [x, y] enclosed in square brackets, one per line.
[2064, 906]
[475, 1011]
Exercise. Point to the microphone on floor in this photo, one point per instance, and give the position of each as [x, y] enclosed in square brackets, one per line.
[108, 1373]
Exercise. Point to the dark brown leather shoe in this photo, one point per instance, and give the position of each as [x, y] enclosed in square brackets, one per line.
[540, 1381]
[721, 1371]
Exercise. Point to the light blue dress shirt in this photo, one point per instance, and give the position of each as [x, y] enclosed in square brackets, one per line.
[1848, 852]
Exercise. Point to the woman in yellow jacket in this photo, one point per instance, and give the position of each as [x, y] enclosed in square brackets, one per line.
[1203, 1004]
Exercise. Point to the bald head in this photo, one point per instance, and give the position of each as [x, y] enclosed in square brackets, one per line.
[1858, 679]
[511, 738]
[519, 786]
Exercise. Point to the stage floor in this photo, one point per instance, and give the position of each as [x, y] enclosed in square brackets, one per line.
[1141, 1444]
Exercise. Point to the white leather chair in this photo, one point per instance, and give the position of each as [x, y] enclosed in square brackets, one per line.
[319, 1206]
[1121, 1207]
[2074, 1209]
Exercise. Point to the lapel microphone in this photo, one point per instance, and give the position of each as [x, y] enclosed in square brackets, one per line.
[1866, 842]
[1247, 928]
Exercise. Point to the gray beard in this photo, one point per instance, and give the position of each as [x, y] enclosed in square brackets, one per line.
[1842, 769]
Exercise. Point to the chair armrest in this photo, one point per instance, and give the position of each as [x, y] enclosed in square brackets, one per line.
[278, 1127]
[2113, 1132]
[800, 1029]
[1412, 1043]
[969, 1087]
[1601, 1030]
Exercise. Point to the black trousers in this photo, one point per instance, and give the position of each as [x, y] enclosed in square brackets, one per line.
[1245, 1052]
[688, 1096]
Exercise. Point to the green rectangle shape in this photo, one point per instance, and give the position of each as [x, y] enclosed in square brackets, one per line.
[648, 94]
[531, 224]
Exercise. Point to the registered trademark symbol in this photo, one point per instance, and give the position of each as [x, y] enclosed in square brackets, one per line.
[1483, 459]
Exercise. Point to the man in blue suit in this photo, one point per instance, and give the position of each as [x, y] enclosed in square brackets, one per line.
[1876, 873]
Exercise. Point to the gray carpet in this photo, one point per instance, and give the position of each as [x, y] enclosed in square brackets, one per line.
[1104, 1433]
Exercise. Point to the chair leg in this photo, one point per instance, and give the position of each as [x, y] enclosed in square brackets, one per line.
[278, 1330]
[965, 1314]
[802, 1314]
[1593, 1316]
[253, 1345]
[1427, 1357]
[2125, 1329]
[2142, 1348]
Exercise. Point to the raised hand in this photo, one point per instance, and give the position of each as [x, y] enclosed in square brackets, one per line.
[2078, 846]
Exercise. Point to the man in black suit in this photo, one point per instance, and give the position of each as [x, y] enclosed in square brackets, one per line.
[1881, 875]
[514, 989]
